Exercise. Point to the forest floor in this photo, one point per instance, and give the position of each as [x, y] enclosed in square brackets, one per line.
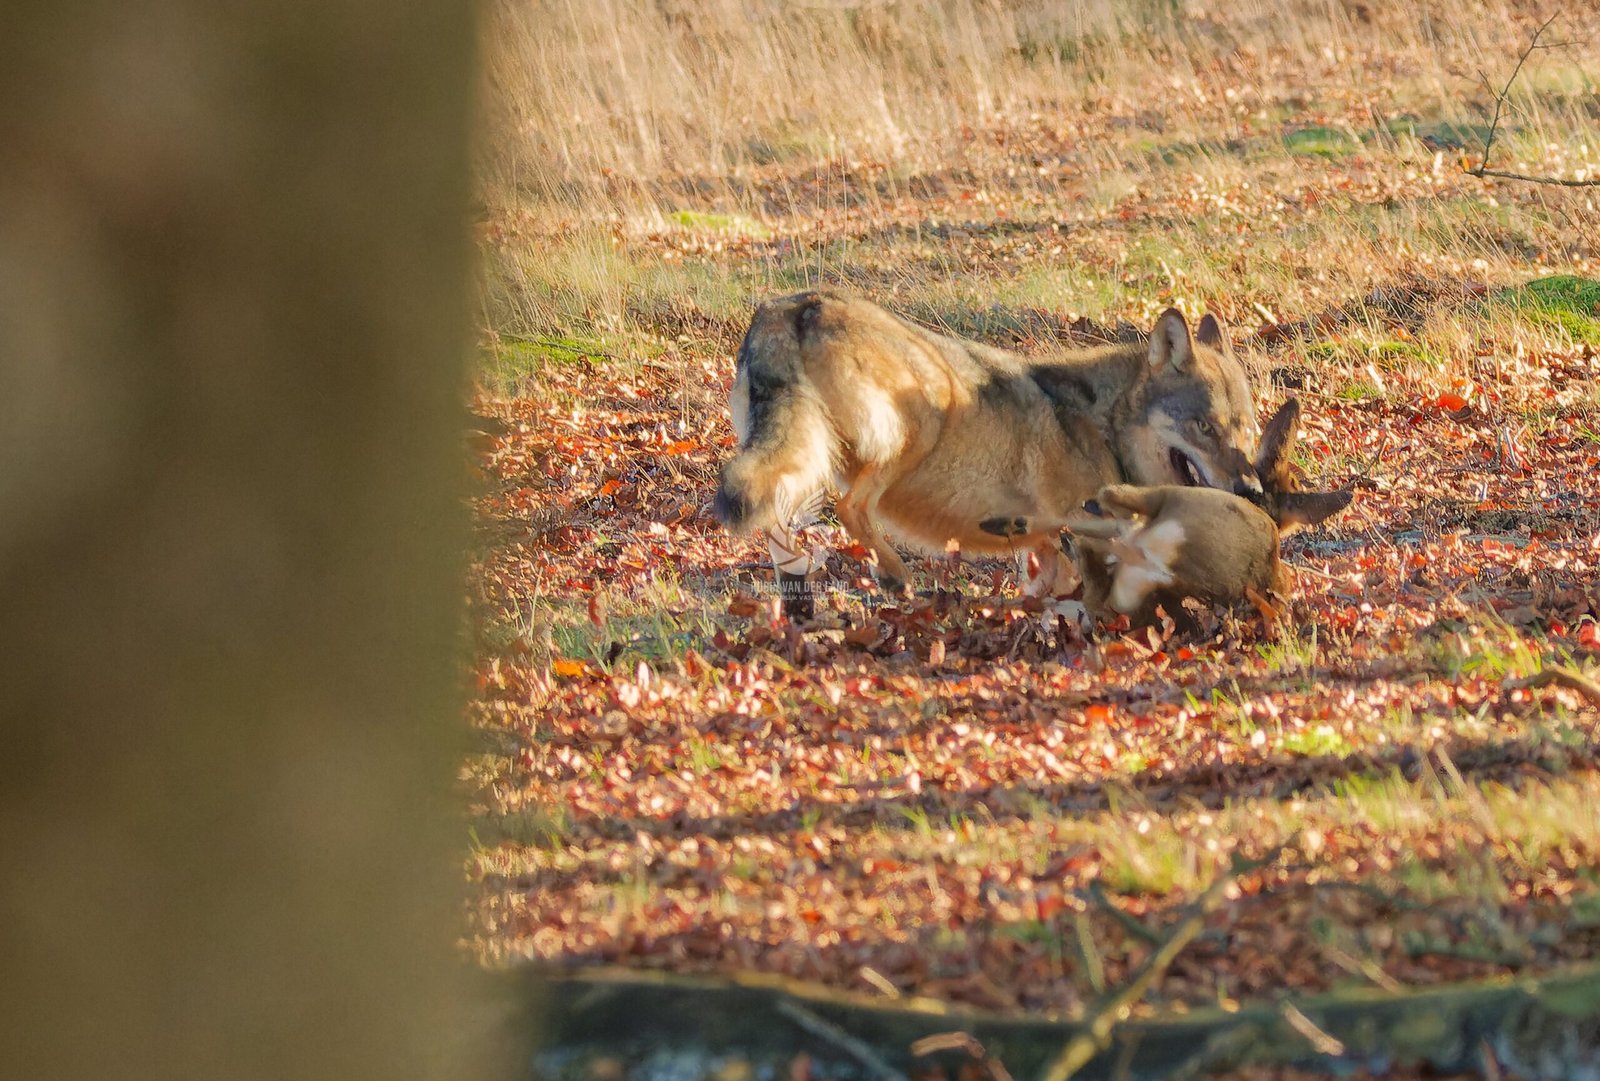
[944, 796]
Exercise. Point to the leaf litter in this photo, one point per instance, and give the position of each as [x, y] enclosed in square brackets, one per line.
[939, 791]
[955, 795]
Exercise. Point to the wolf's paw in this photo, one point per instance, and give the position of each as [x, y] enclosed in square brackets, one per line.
[1005, 527]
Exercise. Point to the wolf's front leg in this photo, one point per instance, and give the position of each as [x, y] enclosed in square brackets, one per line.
[858, 510]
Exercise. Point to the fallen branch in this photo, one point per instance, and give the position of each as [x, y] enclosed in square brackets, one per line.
[1561, 676]
[1129, 922]
[838, 1037]
[1532, 1020]
[1562, 182]
[1096, 1035]
[962, 1041]
[1361, 966]
[1319, 1040]
[1500, 100]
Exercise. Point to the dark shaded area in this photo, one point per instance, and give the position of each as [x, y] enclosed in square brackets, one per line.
[1536, 1028]
[234, 269]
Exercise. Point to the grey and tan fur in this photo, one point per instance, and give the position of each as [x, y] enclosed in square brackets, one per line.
[1156, 546]
[924, 436]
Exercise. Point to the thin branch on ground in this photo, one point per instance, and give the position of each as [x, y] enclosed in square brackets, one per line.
[1319, 1040]
[838, 1037]
[1561, 182]
[1362, 966]
[1500, 100]
[1561, 676]
[1466, 951]
[1371, 890]
[1129, 922]
[1097, 1033]
[962, 1041]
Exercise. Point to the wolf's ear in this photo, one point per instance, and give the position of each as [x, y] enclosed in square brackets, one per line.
[1170, 342]
[1210, 333]
[1310, 508]
[1277, 440]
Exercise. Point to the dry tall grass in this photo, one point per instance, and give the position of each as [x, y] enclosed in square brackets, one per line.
[781, 143]
[593, 99]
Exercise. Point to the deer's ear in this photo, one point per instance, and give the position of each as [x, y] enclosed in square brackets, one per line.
[1277, 441]
[1210, 333]
[1311, 508]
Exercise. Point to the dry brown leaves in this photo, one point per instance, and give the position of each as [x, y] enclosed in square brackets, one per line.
[953, 795]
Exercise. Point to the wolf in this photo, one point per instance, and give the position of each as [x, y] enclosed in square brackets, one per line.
[1146, 547]
[925, 436]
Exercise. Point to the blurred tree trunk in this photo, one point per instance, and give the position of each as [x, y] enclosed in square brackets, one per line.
[234, 269]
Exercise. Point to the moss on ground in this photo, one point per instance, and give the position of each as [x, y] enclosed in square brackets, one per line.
[1565, 302]
[701, 221]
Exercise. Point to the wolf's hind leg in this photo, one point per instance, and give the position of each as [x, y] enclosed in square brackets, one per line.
[857, 510]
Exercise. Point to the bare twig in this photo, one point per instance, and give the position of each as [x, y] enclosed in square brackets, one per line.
[1570, 678]
[1129, 922]
[838, 1037]
[1096, 1035]
[962, 1041]
[1561, 182]
[1466, 951]
[1319, 1040]
[1500, 100]
[1362, 966]
[880, 981]
[1093, 966]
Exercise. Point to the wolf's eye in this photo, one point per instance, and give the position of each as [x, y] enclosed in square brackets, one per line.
[1205, 428]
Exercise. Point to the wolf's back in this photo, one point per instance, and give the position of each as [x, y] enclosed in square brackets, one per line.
[786, 445]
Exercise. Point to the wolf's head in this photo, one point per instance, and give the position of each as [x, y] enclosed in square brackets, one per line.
[1144, 546]
[1193, 412]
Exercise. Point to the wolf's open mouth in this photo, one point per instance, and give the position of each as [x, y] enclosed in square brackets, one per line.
[1187, 471]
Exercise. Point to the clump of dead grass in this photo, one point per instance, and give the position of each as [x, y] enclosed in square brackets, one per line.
[652, 168]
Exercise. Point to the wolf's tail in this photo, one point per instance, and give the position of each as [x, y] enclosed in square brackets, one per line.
[787, 446]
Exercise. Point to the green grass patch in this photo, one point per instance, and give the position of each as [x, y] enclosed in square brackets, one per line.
[1566, 302]
[701, 221]
[1358, 390]
[657, 624]
[1320, 142]
[535, 826]
[1316, 742]
[512, 361]
[1392, 352]
[1442, 133]
[1388, 352]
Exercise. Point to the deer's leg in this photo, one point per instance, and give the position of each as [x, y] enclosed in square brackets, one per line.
[1126, 500]
[792, 564]
[1045, 569]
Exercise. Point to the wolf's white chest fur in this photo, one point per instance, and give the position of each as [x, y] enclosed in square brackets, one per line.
[1144, 562]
